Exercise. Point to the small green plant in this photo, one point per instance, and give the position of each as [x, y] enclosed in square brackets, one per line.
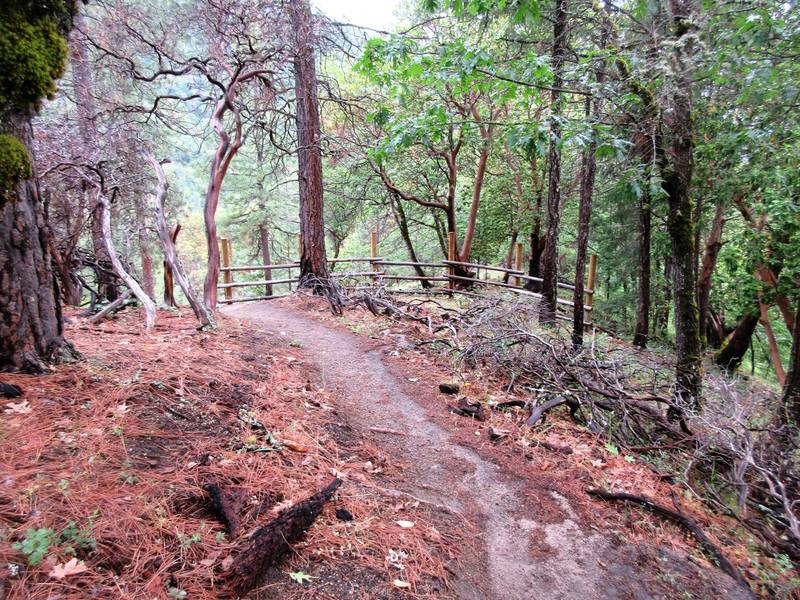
[63, 485]
[612, 449]
[187, 541]
[36, 544]
[128, 478]
[220, 537]
[300, 577]
[76, 538]
[178, 593]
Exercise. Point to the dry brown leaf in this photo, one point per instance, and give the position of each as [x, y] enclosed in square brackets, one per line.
[71, 567]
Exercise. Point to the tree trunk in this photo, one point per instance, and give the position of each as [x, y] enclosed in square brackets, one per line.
[167, 237]
[677, 178]
[713, 246]
[169, 287]
[732, 353]
[30, 311]
[313, 261]
[774, 353]
[642, 329]
[144, 249]
[547, 309]
[402, 225]
[141, 296]
[588, 169]
[509, 262]
[263, 236]
[791, 388]
[83, 86]
[480, 173]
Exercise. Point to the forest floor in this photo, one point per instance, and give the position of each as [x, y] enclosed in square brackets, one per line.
[108, 461]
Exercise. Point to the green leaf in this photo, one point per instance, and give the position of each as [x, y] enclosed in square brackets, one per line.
[300, 577]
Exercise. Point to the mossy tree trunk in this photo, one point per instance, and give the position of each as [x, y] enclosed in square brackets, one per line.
[677, 178]
[30, 312]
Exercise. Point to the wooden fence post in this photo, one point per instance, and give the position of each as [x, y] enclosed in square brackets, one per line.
[451, 256]
[227, 276]
[590, 286]
[373, 248]
[518, 263]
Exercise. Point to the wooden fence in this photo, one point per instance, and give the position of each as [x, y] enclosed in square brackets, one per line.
[383, 270]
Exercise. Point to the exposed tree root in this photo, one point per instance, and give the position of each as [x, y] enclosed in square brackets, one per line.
[684, 521]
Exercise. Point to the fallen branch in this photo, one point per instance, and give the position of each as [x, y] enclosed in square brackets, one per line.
[538, 412]
[268, 545]
[684, 521]
[111, 308]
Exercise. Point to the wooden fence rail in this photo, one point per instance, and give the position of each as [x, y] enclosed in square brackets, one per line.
[378, 273]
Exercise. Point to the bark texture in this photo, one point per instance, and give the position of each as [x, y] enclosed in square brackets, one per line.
[709, 263]
[313, 260]
[171, 260]
[30, 311]
[791, 388]
[547, 309]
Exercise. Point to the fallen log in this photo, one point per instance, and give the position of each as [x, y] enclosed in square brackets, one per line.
[268, 545]
[684, 521]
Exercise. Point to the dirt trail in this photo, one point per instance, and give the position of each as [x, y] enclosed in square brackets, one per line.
[446, 473]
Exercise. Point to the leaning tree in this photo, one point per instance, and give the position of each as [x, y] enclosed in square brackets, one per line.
[32, 56]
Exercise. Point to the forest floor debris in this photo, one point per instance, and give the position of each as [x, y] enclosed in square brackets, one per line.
[536, 531]
[105, 472]
[570, 458]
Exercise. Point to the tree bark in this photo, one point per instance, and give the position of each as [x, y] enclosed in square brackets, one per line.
[735, 347]
[144, 248]
[709, 263]
[791, 388]
[263, 236]
[487, 132]
[509, 262]
[774, 353]
[173, 263]
[588, 169]
[145, 300]
[83, 86]
[677, 177]
[169, 288]
[642, 328]
[402, 225]
[547, 308]
[313, 261]
[30, 310]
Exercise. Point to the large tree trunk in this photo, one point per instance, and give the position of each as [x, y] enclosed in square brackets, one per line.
[642, 329]
[791, 388]
[313, 261]
[713, 246]
[547, 309]
[30, 312]
[735, 347]
[677, 185]
[173, 263]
